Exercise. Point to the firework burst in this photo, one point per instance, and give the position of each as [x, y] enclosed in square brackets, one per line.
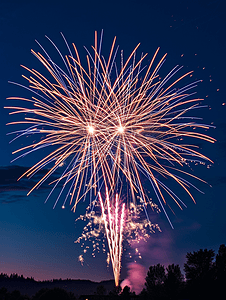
[136, 226]
[109, 125]
[110, 221]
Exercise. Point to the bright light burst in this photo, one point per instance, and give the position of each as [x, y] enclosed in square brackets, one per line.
[108, 125]
[110, 221]
[136, 226]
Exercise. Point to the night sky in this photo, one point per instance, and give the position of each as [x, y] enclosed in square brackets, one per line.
[36, 240]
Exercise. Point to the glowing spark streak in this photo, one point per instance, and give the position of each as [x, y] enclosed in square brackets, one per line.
[114, 224]
[81, 259]
[111, 126]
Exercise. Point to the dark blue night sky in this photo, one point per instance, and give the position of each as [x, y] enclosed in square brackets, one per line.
[36, 240]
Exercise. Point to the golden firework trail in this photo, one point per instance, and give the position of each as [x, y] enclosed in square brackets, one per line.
[106, 221]
[114, 219]
[107, 126]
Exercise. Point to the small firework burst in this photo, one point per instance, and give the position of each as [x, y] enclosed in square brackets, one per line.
[110, 223]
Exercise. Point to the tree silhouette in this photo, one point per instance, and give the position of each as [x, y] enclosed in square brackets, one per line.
[125, 294]
[143, 294]
[101, 290]
[221, 264]
[200, 271]
[154, 281]
[39, 293]
[199, 265]
[53, 294]
[3, 276]
[3, 293]
[115, 292]
[15, 295]
[221, 271]
[173, 282]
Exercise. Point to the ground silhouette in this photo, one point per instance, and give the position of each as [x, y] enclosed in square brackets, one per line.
[205, 277]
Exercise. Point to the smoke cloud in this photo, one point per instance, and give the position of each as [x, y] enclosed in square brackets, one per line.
[135, 278]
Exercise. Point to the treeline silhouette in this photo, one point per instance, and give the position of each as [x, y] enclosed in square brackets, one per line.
[204, 278]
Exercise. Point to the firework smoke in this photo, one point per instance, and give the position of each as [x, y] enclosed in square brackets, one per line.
[135, 278]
